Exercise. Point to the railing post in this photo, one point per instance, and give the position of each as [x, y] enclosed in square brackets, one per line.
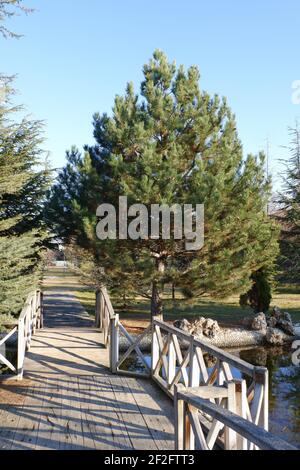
[194, 369]
[262, 377]
[241, 409]
[171, 362]
[97, 309]
[230, 437]
[179, 406]
[114, 344]
[29, 323]
[41, 309]
[21, 348]
[101, 311]
[155, 348]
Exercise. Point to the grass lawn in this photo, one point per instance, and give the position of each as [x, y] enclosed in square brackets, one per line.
[226, 311]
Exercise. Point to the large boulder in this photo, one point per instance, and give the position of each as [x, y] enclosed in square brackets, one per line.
[274, 337]
[200, 327]
[197, 326]
[183, 324]
[276, 313]
[211, 328]
[259, 322]
[272, 322]
[281, 320]
[287, 327]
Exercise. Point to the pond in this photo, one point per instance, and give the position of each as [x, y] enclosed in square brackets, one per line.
[284, 386]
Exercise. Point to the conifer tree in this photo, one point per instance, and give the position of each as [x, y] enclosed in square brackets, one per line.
[24, 178]
[171, 144]
[289, 216]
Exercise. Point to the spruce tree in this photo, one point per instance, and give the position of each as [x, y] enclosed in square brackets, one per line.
[174, 143]
[289, 214]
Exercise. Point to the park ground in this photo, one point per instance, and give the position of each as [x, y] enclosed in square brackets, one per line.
[227, 312]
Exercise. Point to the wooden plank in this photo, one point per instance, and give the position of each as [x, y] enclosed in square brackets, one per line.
[84, 397]
[30, 416]
[10, 418]
[50, 428]
[111, 432]
[152, 406]
[138, 432]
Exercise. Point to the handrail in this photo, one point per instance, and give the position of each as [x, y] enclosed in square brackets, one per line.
[30, 319]
[103, 313]
[188, 403]
[178, 357]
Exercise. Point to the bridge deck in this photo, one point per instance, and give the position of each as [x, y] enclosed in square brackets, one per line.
[68, 398]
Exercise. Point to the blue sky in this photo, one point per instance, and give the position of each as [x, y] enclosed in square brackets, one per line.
[76, 55]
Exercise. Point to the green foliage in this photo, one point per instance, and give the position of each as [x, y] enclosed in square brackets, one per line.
[173, 143]
[259, 296]
[23, 184]
[289, 215]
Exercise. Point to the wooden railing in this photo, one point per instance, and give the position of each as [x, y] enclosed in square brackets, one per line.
[192, 404]
[30, 319]
[116, 359]
[103, 314]
[236, 390]
[178, 357]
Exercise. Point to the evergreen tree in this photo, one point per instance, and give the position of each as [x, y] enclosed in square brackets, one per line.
[259, 296]
[289, 215]
[22, 191]
[173, 144]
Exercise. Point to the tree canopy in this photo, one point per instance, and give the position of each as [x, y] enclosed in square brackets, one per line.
[170, 144]
[289, 213]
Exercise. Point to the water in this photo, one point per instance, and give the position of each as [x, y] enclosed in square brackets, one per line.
[284, 390]
[284, 386]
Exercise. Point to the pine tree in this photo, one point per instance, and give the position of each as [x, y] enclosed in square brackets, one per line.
[174, 144]
[289, 215]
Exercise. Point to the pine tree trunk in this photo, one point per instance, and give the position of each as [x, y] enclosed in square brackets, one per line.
[156, 299]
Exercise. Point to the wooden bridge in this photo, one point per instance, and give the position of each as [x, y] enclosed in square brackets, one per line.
[74, 395]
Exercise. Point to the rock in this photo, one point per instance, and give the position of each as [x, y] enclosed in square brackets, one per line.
[282, 320]
[276, 313]
[287, 327]
[272, 322]
[197, 326]
[211, 328]
[274, 337]
[200, 327]
[259, 322]
[287, 317]
[183, 324]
